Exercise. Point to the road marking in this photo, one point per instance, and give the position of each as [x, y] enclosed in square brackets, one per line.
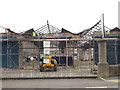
[102, 79]
[97, 87]
[115, 80]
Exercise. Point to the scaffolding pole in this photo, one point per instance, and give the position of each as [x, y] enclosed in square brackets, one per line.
[66, 52]
[102, 26]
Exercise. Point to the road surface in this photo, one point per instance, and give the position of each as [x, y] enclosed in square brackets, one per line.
[59, 83]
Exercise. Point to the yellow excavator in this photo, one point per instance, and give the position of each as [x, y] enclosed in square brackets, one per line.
[47, 62]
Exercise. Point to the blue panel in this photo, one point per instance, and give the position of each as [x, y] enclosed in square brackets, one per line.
[62, 60]
[4, 60]
[75, 54]
[0, 60]
[118, 51]
[7, 59]
[58, 60]
[96, 52]
[106, 36]
[70, 61]
[113, 52]
[4, 54]
[4, 47]
[13, 61]
[57, 37]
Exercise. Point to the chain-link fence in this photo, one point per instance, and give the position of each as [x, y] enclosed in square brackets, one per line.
[74, 58]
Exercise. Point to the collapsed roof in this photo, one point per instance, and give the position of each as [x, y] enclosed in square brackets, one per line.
[115, 29]
[28, 32]
[49, 29]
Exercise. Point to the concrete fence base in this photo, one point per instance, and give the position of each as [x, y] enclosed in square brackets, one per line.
[114, 70]
[103, 70]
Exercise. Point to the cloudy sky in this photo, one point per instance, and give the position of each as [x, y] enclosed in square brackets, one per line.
[73, 15]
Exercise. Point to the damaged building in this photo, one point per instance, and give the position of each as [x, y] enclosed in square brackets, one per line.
[66, 47]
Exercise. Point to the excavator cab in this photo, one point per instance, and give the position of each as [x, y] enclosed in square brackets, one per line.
[47, 62]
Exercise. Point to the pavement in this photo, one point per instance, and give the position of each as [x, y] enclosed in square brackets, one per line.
[65, 77]
[61, 73]
[66, 72]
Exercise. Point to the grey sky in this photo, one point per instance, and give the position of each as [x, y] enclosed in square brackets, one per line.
[73, 15]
